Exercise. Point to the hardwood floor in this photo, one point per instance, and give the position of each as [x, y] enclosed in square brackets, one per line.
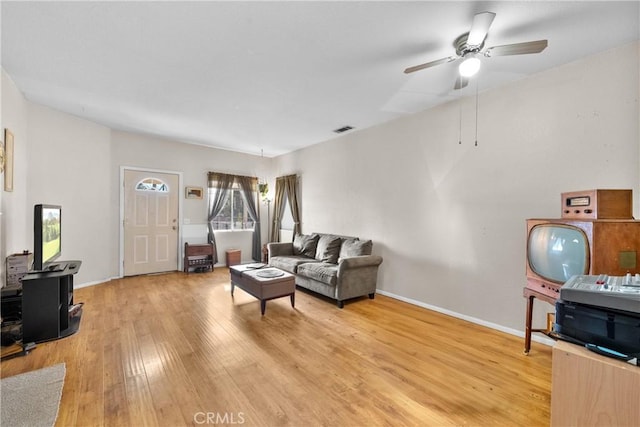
[174, 350]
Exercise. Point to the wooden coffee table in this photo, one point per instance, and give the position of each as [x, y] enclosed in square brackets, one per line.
[263, 283]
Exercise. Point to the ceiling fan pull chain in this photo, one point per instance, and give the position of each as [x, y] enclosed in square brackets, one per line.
[460, 123]
[476, 113]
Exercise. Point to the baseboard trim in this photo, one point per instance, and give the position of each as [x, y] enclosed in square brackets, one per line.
[534, 337]
[97, 282]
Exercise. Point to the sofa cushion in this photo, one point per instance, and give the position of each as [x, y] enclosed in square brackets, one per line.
[321, 271]
[353, 247]
[328, 248]
[305, 245]
[288, 263]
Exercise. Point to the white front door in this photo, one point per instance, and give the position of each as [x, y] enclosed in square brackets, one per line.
[150, 222]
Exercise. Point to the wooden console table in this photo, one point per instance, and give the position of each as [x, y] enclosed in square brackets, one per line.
[198, 256]
[588, 389]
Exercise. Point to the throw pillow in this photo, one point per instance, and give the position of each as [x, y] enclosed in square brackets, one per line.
[305, 245]
[355, 248]
[328, 248]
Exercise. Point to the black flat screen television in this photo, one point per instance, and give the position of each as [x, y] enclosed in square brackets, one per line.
[47, 237]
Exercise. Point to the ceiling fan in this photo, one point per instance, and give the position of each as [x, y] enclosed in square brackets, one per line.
[469, 48]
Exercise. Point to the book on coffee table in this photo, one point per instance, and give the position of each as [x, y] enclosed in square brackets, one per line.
[255, 266]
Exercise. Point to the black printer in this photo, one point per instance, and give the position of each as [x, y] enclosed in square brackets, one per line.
[602, 311]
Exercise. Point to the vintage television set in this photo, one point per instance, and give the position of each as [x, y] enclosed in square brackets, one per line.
[558, 249]
[47, 236]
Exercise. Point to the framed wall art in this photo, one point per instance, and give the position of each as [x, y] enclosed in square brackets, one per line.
[1, 157]
[193, 193]
[8, 160]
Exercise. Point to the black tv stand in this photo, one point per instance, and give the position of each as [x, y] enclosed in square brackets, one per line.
[59, 266]
[48, 311]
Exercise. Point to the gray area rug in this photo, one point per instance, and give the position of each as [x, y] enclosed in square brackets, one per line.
[32, 398]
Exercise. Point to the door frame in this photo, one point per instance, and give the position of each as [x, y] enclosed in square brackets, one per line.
[121, 226]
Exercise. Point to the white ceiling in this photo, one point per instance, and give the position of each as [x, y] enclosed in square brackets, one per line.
[277, 76]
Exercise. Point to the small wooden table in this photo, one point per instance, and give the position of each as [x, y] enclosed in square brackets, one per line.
[251, 280]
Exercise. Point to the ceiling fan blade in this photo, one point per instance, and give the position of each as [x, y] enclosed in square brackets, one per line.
[517, 48]
[461, 82]
[479, 28]
[430, 64]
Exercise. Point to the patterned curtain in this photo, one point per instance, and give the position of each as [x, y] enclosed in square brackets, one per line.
[286, 188]
[249, 187]
[222, 184]
[291, 184]
[278, 210]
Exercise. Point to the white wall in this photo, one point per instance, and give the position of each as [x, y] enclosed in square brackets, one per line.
[58, 159]
[194, 162]
[62, 159]
[449, 219]
[69, 166]
[15, 222]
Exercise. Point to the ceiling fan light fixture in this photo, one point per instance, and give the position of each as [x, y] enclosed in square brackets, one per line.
[470, 65]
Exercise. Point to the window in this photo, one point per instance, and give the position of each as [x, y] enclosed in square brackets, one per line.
[287, 223]
[152, 184]
[234, 215]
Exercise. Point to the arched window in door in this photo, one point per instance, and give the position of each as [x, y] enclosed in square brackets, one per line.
[152, 184]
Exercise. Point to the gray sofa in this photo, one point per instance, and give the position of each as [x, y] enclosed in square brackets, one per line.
[339, 267]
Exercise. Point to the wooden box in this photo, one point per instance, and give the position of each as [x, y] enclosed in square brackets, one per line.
[598, 204]
[17, 266]
[233, 257]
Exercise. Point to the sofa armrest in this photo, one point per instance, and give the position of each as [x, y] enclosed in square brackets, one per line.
[280, 249]
[357, 276]
[359, 261]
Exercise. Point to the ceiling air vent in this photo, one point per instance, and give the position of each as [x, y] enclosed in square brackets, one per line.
[343, 129]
